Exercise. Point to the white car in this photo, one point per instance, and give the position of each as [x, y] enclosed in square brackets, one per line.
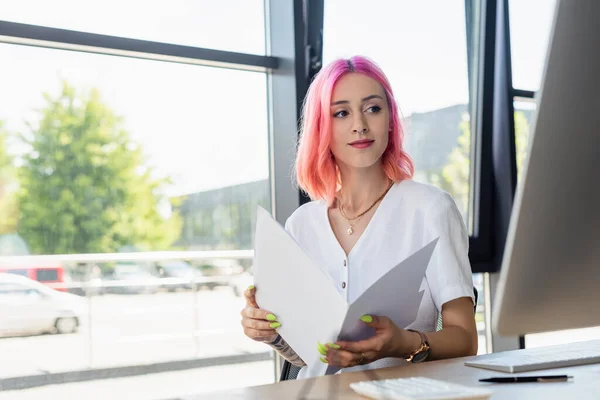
[27, 307]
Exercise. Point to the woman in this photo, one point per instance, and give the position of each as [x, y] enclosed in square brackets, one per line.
[366, 216]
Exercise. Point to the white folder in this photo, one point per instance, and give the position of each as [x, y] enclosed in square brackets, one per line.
[309, 307]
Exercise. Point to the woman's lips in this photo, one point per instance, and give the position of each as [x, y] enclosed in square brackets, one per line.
[362, 144]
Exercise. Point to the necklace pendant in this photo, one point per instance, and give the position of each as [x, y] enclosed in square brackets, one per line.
[350, 231]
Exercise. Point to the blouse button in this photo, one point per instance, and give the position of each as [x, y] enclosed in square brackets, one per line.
[343, 285]
[344, 263]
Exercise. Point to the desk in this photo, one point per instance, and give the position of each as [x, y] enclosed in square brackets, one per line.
[585, 385]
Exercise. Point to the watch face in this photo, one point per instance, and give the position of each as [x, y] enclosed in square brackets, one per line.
[420, 357]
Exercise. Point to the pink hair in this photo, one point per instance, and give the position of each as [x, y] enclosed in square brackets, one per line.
[316, 171]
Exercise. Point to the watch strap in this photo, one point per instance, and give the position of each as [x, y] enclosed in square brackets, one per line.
[423, 347]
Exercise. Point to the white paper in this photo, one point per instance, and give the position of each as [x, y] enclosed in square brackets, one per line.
[309, 307]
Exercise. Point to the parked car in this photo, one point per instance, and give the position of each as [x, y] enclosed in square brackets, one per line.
[29, 307]
[178, 274]
[219, 272]
[49, 273]
[132, 279]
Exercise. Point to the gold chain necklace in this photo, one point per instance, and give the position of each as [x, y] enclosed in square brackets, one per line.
[353, 221]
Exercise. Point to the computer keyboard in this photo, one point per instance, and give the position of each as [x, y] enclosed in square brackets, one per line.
[558, 356]
[418, 388]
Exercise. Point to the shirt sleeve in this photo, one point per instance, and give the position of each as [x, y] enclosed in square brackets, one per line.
[289, 226]
[449, 273]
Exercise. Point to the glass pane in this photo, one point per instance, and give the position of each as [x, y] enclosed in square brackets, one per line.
[530, 25]
[22, 272]
[424, 55]
[233, 25]
[103, 154]
[524, 113]
[44, 275]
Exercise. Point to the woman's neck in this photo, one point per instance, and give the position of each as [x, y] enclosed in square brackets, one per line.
[360, 187]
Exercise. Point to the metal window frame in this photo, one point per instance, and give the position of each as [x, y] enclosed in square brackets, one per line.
[526, 94]
[480, 242]
[309, 54]
[506, 187]
[294, 36]
[494, 156]
[64, 39]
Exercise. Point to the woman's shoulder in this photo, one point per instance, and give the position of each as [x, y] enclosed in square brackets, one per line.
[424, 195]
[305, 214]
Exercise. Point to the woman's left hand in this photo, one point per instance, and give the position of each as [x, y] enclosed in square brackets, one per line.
[388, 341]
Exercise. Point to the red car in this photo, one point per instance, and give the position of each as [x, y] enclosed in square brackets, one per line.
[49, 273]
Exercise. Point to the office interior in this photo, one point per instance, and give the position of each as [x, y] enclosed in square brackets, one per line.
[137, 140]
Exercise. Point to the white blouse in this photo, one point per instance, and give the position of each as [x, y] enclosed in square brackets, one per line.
[409, 217]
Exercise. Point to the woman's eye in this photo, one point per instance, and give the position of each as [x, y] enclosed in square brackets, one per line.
[374, 109]
[340, 114]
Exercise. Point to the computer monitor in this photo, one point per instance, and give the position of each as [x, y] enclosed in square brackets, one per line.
[550, 275]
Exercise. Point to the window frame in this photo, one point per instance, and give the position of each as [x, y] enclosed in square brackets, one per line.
[286, 65]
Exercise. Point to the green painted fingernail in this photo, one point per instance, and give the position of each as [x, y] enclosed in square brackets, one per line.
[250, 287]
[333, 345]
[275, 325]
[271, 317]
[323, 360]
[322, 349]
[366, 318]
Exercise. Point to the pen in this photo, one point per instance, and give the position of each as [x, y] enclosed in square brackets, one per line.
[519, 379]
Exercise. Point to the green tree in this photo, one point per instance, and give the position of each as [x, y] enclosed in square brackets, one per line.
[9, 210]
[521, 140]
[84, 185]
[454, 176]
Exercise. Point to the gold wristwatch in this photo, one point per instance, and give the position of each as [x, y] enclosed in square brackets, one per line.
[422, 352]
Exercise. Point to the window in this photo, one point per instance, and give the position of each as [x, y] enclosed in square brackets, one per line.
[47, 275]
[22, 272]
[108, 141]
[530, 27]
[111, 155]
[232, 25]
[12, 288]
[423, 49]
[524, 113]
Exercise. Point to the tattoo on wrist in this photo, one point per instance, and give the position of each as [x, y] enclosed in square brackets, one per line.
[284, 349]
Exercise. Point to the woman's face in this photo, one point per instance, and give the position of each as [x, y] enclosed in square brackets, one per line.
[360, 121]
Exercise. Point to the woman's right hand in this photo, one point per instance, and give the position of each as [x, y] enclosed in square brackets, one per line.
[259, 325]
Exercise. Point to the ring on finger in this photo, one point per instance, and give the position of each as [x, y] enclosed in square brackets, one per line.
[362, 358]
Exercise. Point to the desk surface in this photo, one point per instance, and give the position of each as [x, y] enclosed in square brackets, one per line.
[585, 385]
